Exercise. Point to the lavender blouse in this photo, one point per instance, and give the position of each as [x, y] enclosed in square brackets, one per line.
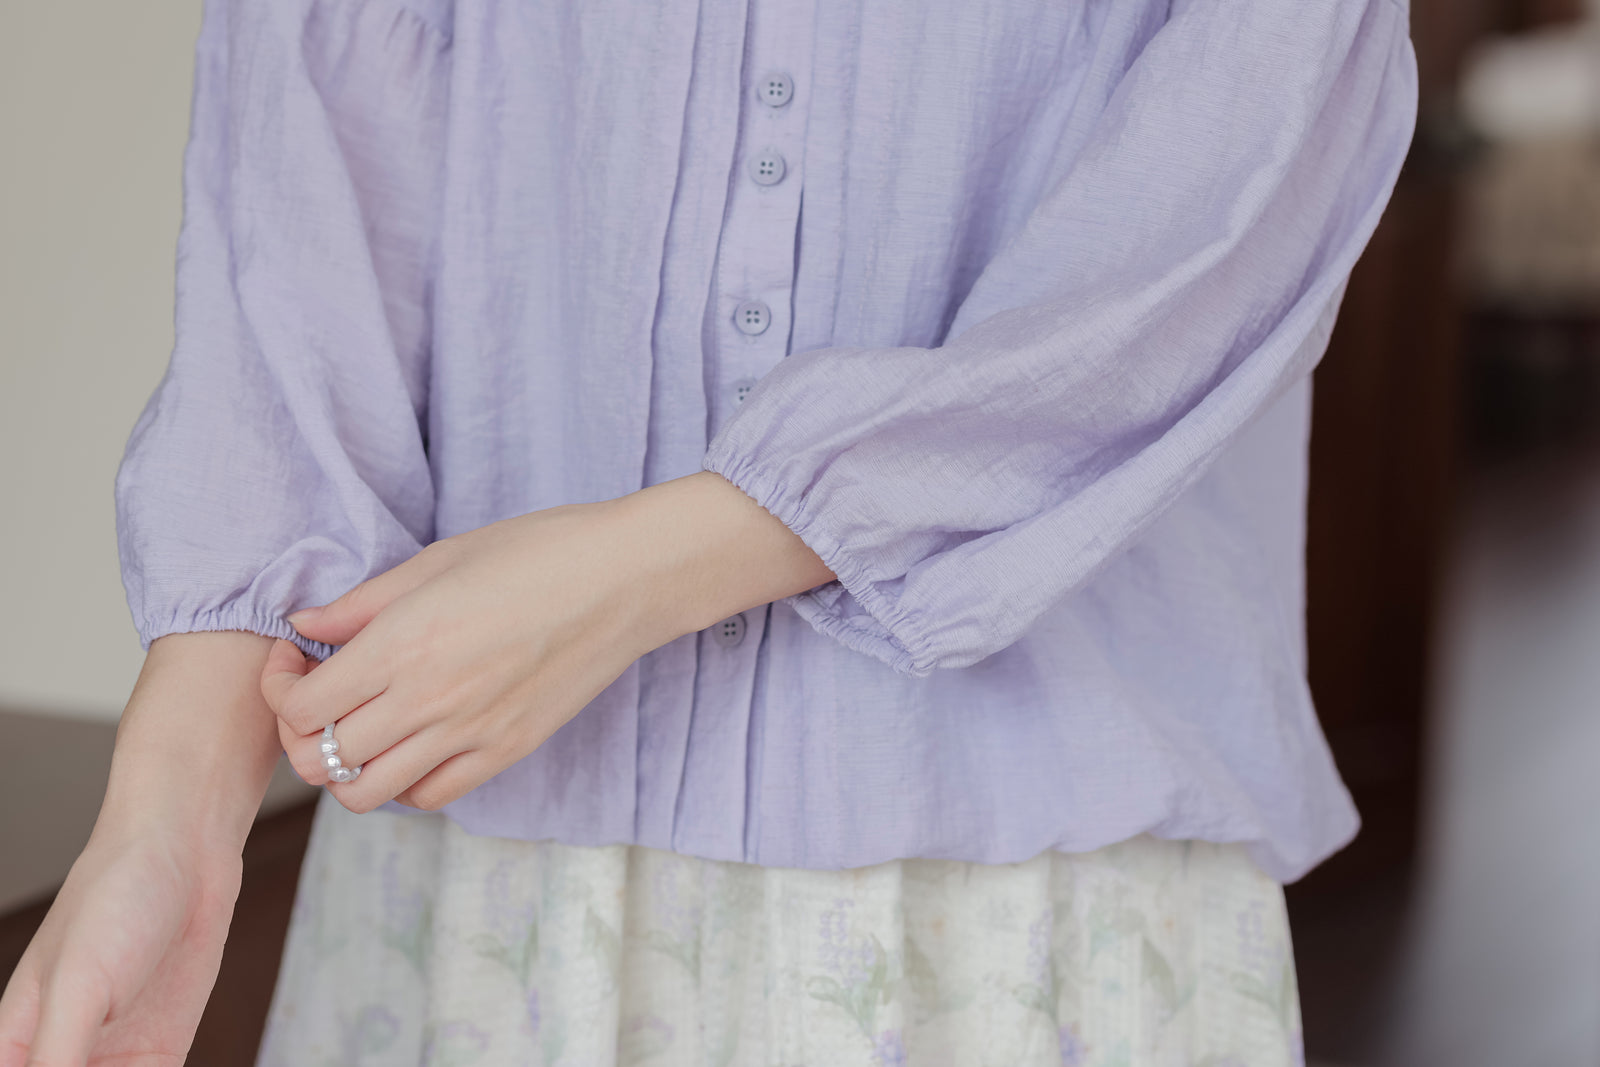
[1006, 308]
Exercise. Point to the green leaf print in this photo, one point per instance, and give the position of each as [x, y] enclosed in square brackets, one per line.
[1110, 920]
[1279, 998]
[414, 942]
[602, 941]
[822, 987]
[529, 954]
[862, 999]
[920, 974]
[1032, 997]
[930, 996]
[518, 959]
[1158, 975]
[685, 952]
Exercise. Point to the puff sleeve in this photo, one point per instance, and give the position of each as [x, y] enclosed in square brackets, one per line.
[282, 458]
[1178, 274]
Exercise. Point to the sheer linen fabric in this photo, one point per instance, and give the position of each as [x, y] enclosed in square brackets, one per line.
[415, 942]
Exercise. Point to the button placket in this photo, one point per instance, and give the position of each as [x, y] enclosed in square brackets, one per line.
[724, 690]
[753, 307]
[755, 259]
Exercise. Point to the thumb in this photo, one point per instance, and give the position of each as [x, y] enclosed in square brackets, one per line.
[285, 666]
[338, 622]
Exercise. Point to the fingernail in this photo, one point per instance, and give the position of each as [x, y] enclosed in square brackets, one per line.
[303, 616]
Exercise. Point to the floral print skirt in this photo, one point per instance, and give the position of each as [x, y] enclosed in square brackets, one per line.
[415, 942]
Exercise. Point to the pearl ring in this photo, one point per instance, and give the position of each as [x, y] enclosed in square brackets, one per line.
[337, 771]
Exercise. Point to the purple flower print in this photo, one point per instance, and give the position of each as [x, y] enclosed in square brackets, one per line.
[530, 1025]
[512, 935]
[1039, 968]
[507, 919]
[834, 923]
[1073, 1050]
[1258, 953]
[889, 1050]
[851, 963]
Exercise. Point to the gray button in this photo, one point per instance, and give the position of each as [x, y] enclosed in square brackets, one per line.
[767, 168]
[775, 89]
[741, 389]
[729, 632]
[752, 317]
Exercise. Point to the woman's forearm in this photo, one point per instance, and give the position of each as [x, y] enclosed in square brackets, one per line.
[720, 552]
[197, 742]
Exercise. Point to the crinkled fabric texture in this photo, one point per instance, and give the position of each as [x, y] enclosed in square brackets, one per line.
[414, 942]
[1034, 384]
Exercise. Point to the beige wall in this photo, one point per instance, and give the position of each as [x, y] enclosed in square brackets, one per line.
[94, 110]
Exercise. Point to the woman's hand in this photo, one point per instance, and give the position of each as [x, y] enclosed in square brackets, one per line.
[119, 971]
[465, 658]
[121, 968]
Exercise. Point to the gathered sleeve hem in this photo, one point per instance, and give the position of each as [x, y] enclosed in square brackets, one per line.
[888, 631]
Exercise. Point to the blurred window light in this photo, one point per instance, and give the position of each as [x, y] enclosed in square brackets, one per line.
[1544, 84]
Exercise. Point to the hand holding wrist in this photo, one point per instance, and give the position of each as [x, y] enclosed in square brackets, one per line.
[711, 551]
[466, 657]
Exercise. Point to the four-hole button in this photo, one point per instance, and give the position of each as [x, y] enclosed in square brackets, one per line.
[729, 632]
[752, 317]
[775, 89]
[767, 168]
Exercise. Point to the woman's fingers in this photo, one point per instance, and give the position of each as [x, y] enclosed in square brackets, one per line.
[285, 666]
[303, 754]
[308, 700]
[450, 780]
[337, 623]
[393, 771]
[374, 727]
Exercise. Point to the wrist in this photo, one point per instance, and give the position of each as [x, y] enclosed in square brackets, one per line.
[196, 744]
[174, 790]
[714, 552]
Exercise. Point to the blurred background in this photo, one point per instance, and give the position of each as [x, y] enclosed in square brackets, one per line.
[1453, 563]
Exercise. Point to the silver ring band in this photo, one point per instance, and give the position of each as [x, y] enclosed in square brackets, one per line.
[337, 771]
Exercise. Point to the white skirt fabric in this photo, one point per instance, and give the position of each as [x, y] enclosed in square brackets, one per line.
[415, 942]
